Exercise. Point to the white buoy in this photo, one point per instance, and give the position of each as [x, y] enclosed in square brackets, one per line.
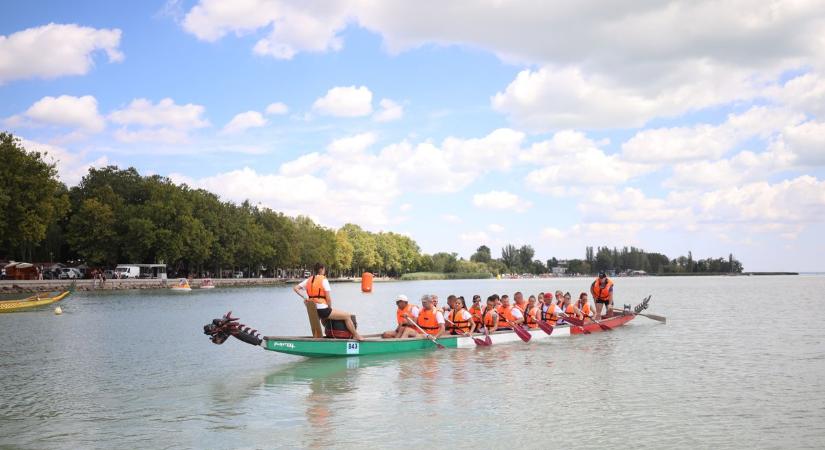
[58, 310]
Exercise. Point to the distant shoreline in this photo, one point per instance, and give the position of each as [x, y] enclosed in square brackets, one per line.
[30, 286]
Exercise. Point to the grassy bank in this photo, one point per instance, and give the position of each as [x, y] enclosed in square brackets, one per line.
[417, 276]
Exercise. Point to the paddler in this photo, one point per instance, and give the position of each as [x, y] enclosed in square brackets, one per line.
[570, 309]
[531, 313]
[490, 314]
[430, 320]
[317, 291]
[551, 311]
[507, 314]
[405, 308]
[602, 291]
[460, 320]
[584, 305]
[476, 311]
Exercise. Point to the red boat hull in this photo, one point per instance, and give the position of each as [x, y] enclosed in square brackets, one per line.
[603, 325]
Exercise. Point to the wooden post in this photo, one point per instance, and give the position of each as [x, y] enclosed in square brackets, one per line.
[314, 320]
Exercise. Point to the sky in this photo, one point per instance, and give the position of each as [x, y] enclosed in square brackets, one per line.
[671, 126]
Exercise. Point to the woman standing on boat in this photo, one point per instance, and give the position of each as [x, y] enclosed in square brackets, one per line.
[317, 291]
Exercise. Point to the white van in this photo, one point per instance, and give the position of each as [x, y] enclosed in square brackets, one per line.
[127, 271]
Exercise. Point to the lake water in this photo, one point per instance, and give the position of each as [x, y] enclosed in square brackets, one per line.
[740, 364]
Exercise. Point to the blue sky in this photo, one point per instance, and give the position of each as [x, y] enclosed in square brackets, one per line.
[490, 123]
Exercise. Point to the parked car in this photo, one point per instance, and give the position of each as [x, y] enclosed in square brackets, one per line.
[108, 274]
[69, 273]
[237, 275]
[127, 271]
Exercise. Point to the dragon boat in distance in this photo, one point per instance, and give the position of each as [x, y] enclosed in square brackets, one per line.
[32, 302]
[219, 330]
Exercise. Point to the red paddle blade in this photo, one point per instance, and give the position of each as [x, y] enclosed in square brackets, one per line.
[546, 327]
[524, 335]
[481, 342]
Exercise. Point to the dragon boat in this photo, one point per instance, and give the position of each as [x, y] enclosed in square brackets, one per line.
[32, 302]
[219, 330]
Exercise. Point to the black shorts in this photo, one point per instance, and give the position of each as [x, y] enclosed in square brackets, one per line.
[324, 313]
[604, 302]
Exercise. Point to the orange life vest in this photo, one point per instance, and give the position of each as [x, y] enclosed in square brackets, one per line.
[427, 321]
[550, 315]
[585, 309]
[571, 311]
[599, 292]
[530, 317]
[315, 289]
[459, 324]
[488, 317]
[476, 312]
[399, 314]
[504, 314]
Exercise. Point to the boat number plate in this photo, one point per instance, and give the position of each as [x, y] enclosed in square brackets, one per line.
[352, 348]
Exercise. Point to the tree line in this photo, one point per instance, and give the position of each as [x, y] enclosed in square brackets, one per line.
[120, 216]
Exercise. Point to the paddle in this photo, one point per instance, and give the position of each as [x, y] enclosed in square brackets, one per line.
[655, 317]
[546, 327]
[521, 332]
[437, 344]
[466, 334]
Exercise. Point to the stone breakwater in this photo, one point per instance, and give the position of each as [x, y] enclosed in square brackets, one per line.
[26, 286]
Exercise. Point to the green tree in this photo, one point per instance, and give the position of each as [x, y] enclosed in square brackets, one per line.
[482, 255]
[31, 198]
[91, 233]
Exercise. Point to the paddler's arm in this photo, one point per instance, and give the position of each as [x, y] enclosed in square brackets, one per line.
[298, 288]
[329, 298]
[495, 323]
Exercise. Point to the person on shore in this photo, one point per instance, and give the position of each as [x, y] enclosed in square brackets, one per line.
[602, 291]
[476, 311]
[430, 320]
[461, 321]
[531, 313]
[317, 291]
[405, 309]
[491, 314]
[584, 306]
[508, 315]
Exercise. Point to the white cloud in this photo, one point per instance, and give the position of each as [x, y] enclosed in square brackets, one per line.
[571, 159]
[303, 165]
[294, 27]
[804, 93]
[352, 144]
[451, 218]
[495, 228]
[704, 141]
[552, 233]
[405, 207]
[277, 108]
[501, 200]
[72, 166]
[164, 121]
[244, 121]
[390, 111]
[165, 113]
[64, 111]
[345, 101]
[55, 50]
[807, 142]
[475, 237]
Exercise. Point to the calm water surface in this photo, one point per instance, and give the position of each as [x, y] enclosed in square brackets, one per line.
[741, 363]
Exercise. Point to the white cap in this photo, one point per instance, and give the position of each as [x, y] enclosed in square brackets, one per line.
[401, 298]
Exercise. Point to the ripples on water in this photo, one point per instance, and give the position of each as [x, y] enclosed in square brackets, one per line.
[741, 363]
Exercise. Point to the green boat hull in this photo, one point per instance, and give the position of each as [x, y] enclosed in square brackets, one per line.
[333, 347]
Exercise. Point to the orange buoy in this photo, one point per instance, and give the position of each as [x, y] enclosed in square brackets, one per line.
[366, 282]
